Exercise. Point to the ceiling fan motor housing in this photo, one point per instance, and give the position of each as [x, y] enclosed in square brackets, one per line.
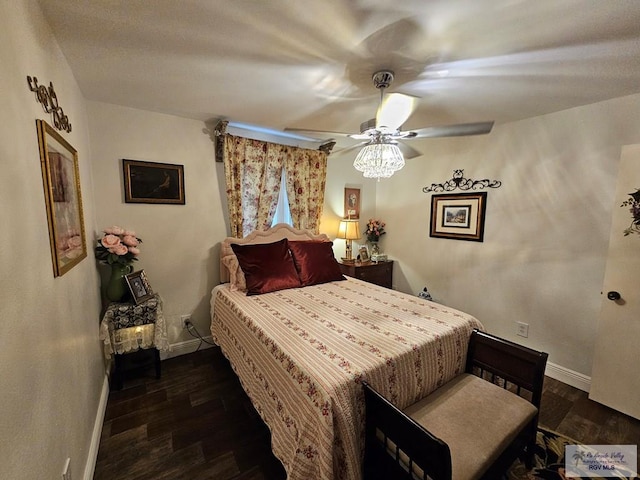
[383, 79]
[368, 125]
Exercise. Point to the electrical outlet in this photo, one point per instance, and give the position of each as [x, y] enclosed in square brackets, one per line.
[66, 471]
[522, 329]
[185, 320]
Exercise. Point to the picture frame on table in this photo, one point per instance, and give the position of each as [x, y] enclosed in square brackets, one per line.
[153, 182]
[458, 216]
[63, 199]
[139, 286]
[364, 254]
[352, 203]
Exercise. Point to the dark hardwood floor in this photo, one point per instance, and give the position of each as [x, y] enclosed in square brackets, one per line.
[196, 423]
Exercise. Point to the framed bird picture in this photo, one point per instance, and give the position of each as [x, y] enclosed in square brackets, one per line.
[151, 182]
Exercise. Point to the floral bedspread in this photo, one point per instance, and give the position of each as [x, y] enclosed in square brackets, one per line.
[301, 353]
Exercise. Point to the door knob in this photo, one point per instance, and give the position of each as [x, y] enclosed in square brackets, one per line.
[613, 296]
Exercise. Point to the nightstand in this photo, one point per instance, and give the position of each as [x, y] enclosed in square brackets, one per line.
[380, 273]
[136, 331]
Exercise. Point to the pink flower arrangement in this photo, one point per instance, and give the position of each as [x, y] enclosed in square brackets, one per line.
[118, 245]
[375, 229]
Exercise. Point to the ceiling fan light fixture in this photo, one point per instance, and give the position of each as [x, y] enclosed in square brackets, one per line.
[380, 158]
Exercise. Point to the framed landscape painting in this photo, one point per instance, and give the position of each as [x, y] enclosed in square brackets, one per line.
[151, 182]
[63, 200]
[458, 216]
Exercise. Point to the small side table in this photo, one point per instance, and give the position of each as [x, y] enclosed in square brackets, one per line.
[380, 273]
[126, 328]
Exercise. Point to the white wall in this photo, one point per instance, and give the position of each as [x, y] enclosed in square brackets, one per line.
[51, 364]
[341, 175]
[547, 227]
[180, 245]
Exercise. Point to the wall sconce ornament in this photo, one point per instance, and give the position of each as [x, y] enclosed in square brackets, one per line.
[458, 181]
[49, 100]
[327, 146]
[634, 208]
[219, 132]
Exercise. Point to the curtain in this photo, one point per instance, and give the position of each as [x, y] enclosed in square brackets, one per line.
[306, 179]
[253, 171]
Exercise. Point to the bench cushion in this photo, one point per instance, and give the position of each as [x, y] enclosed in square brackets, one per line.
[477, 419]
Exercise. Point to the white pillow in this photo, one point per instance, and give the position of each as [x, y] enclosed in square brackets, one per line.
[236, 275]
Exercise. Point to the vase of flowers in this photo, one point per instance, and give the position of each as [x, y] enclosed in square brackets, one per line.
[118, 248]
[116, 287]
[375, 229]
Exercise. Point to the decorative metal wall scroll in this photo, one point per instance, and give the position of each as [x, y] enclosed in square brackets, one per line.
[49, 100]
[458, 181]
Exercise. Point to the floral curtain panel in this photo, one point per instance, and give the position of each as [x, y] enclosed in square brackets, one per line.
[306, 178]
[253, 170]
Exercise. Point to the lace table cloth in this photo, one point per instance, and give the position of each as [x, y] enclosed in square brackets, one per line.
[126, 327]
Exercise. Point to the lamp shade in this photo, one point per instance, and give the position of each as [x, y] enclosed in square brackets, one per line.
[349, 230]
[380, 158]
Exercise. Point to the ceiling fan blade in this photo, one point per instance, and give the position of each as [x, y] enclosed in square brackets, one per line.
[348, 149]
[395, 109]
[321, 133]
[408, 151]
[360, 136]
[458, 130]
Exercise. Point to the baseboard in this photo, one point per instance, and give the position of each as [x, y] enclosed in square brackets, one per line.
[92, 457]
[564, 375]
[186, 347]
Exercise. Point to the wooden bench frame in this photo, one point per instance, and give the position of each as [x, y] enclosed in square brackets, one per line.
[514, 367]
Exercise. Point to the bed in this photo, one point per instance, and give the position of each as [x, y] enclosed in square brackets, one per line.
[301, 352]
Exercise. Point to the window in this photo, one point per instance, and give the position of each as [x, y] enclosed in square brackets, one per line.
[283, 214]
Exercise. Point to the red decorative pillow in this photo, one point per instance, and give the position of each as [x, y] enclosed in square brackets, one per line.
[315, 262]
[267, 267]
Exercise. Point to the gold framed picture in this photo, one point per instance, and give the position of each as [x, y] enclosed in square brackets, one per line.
[363, 253]
[139, 286]
[352, 203]
[152, 182]
[458, 216]
[63, 199]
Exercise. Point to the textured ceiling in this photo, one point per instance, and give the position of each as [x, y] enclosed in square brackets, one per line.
[308, 64]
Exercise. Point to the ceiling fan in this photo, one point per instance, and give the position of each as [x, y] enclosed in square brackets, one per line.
[383, 133]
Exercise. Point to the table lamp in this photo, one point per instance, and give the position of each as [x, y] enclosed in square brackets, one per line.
[349, 230]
